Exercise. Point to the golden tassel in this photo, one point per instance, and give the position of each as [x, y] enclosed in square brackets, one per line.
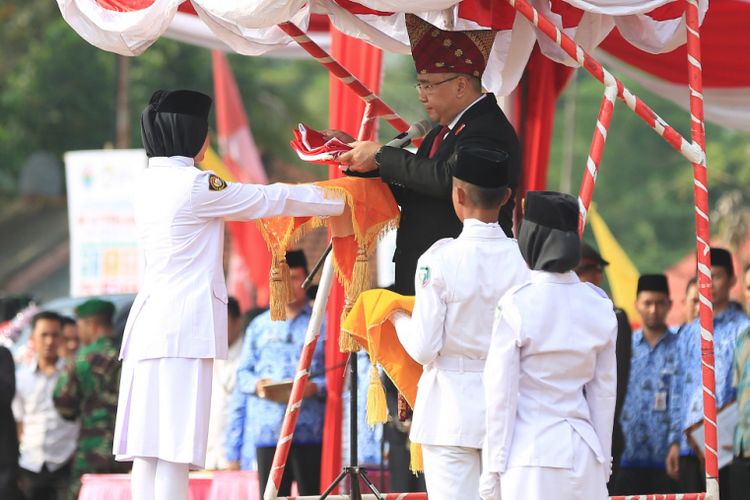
[280, 289]
[360, 275]
[417, 462]
[346, 339]
[377, 407]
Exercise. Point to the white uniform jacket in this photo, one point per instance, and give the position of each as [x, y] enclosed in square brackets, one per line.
[458, 284]
[551, 372]
[181, 307]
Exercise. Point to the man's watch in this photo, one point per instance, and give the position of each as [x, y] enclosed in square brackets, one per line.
[379, 157]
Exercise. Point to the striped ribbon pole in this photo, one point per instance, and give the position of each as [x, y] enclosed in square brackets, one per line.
[591, 171]
[336, 69]
[691, 152]
[300, 381]
[702, 235]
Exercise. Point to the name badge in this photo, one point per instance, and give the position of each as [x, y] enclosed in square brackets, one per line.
[660, 401]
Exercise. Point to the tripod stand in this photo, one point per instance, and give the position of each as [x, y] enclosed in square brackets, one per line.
[353, 471]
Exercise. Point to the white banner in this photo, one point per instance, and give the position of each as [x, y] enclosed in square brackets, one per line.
[101, 187]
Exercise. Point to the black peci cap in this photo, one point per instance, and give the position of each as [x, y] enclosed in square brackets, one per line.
[481, 167]
[552, 209]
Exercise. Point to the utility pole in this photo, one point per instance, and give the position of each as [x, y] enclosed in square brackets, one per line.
[122, 117]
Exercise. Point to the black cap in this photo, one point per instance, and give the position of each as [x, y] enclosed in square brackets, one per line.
[296, 258]
[653, 283]
[175, 123]
[722, 258]
[552, 209]
[183, 102]
[482, 167]
[591, 258]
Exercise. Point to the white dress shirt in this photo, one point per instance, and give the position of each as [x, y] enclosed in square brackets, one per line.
[181, 307]
[47, 438]
[553, 340]
[222, 386]
[458, 284]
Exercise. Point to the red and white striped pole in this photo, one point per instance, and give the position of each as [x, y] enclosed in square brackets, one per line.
[380, 108]
[702, 238]
[591, 171]
[300, 381]
[691, 152]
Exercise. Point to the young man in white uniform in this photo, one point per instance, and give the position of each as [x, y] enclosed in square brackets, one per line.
[550, 378]
[458, 284]
[178, 322]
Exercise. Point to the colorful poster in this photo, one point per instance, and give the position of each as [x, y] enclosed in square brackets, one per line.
[103, 254]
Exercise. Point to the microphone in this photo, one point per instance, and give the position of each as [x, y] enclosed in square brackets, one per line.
[415, 130]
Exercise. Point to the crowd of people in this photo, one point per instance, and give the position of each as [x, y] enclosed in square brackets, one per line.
[533, 384]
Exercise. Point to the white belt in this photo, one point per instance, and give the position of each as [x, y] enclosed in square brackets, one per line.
[458, 364]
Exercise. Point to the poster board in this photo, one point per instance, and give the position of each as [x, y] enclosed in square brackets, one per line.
[103, 253]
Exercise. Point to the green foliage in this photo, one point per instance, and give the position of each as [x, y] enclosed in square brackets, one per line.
[644, 190]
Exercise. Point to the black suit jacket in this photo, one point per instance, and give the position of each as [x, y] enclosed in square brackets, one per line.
[422, 186]
[8, 437]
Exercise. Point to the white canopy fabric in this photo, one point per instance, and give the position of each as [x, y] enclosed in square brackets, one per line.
[249, 27]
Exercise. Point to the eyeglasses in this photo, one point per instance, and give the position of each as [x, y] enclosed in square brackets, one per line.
[429, 87]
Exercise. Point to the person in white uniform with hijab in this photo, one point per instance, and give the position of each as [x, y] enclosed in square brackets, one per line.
[178, 322]
[458, 284]
[550, 379]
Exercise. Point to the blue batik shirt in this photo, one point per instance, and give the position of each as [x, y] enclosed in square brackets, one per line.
[647, 424]
[272, 350]
[727, 327]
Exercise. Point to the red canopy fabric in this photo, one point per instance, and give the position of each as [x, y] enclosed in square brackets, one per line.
[345, 113]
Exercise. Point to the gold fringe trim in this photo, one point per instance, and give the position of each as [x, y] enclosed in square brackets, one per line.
[360, 275]
[347, 343]
[280, 289]
[377, 407]
[417, 462]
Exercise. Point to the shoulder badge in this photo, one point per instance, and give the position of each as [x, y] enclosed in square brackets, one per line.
[424, 275]
[216, 183]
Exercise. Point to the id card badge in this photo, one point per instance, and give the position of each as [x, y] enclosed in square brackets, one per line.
[660, 401]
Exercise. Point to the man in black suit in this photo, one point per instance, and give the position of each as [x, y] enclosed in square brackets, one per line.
[591, 269]
[8, 436]
[449, 69]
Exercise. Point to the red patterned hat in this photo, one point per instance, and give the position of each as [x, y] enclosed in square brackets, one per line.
[438, 51]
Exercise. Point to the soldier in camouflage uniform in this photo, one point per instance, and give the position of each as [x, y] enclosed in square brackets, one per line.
[88, 391]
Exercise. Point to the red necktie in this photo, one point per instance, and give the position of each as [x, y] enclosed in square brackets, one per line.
[438, 139]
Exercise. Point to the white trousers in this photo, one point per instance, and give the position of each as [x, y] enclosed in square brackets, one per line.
[585, 480]
[451, 472]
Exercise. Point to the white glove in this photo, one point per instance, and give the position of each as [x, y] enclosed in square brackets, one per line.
[489, 486]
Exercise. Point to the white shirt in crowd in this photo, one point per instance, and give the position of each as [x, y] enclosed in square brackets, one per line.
[225, 377]
[47, 437]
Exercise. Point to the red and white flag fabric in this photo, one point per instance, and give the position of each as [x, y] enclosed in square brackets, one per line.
[311, 146]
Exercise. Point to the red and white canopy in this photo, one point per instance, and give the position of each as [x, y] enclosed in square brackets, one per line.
[249, 27]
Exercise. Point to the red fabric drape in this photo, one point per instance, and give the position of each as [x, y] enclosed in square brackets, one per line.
[242, 159]
[345, 113]
[542, 82]
[725, 49]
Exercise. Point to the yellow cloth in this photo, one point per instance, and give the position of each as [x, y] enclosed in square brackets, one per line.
[368, 324]
[621, 272]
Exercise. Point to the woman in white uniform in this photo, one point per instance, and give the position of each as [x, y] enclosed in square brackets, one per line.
[550, 376]
[178, 322]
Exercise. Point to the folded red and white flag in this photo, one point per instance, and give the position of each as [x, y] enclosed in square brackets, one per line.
[310, 145]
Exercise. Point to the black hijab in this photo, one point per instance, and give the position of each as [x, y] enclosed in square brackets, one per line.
[175, 123]
[548, 234]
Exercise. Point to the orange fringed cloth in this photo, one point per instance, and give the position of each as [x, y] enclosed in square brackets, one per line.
[371, 209]
[369, 325]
